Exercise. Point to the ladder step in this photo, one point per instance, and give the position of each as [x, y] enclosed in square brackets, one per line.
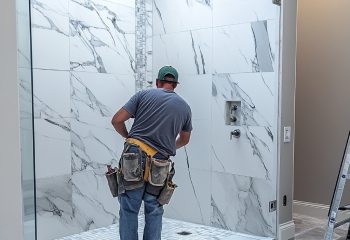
[344, 208]
[340, 223]
[343, 176]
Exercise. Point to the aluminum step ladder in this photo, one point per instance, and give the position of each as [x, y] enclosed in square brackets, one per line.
[335, 207]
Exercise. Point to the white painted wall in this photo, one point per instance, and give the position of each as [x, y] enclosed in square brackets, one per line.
[322, 98]
[286, 113]
[10, 158]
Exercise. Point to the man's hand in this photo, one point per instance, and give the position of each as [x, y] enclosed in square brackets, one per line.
[183, 139]
[118, 122]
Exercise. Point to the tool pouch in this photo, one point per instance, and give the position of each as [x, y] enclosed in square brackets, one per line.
[112, 182]
[132, 167]
[158, 172]
[169, 188]
[132, 170]
[166, 193]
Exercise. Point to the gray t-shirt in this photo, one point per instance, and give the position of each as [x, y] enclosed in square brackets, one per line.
[160, 115]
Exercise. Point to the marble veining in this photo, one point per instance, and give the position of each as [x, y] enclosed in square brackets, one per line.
[80, 93]
[92, 202]
[94, 145]
[189, 52]
[224, 50]
[196, 57]
[43, 8]
[193, 188]
[191, 199]
[190, 15]
[54, 206]
[249, 47]
[89, 100]
[239, 204]
[159, 15]
[255, 91]
[102, 37]
[50, 21]
[236, 156]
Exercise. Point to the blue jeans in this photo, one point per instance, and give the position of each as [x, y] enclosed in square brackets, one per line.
[130, 203]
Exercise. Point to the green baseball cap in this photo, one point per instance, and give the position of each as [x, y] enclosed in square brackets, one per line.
[168, 70]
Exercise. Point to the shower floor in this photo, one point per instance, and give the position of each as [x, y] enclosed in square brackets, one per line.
[172, 230]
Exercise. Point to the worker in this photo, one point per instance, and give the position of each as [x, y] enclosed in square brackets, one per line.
[162, 124]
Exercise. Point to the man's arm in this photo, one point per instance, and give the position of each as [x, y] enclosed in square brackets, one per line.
[118, 122]
[183, 139]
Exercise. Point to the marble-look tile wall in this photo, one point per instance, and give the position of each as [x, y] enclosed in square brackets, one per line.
[224, 50]
[84, 65]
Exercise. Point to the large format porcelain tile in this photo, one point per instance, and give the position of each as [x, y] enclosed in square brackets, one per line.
[242, 48]
[228, 12]
[182, 15]
[94, 145]
[55, 215]
[99, 95]
[196, 90]
[102, 37]
[189, 52]
[171, 231]
[52, 147]
[249, 155]
[255, 91]
[93, 203]
[241, 204]
[196, 155]
[191, 200]
[50, 34]
[52, 92]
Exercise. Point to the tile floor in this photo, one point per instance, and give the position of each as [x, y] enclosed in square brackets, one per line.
[306, 228]
[309, 228]
[172, 230]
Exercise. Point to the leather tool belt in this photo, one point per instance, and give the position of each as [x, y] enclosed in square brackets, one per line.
[132, 173]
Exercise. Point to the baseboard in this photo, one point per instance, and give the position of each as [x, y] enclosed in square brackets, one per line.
[286, 231]
[315, 210]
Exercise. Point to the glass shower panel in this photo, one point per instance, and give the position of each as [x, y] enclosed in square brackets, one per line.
[26, 118]
[227, 52]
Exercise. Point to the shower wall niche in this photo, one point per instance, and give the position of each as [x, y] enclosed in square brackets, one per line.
[85, 70]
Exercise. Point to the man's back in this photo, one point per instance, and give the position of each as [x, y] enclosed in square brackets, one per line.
[160, 115]
[162, 125]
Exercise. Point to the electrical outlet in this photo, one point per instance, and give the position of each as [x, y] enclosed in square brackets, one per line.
[287, 134]
[285, 200]
[272, 206]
